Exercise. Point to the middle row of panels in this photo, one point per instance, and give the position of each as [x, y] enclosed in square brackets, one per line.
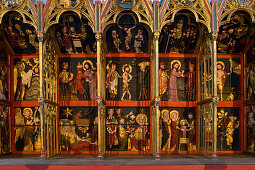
[127, 78]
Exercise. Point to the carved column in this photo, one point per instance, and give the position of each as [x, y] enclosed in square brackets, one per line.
[214, 91]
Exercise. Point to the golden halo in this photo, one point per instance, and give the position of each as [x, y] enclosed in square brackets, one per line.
[221, 63]
[139, 115]
[130, 68]
[174, 111]
[87, 61]
[162, 112]
[20, 62]
[28, 109]
[172, 62]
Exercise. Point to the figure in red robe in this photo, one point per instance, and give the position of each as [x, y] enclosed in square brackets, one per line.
[111, 129]
[81, 93]
[190, 83]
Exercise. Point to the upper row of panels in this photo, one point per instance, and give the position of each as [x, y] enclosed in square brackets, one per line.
[122, 3]
[127, 35]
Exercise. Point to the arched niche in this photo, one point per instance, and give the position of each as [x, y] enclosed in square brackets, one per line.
[127, 35]
[73, 34]
[180, 36]
[234, 32]
[21, 36]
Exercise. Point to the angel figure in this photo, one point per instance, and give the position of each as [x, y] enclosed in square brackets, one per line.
[221, 77]
[128, 37]
[127, 77]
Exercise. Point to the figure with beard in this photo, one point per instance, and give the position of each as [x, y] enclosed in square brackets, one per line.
[192, 131]
[163, 79]
[90, 79]
[143, 78]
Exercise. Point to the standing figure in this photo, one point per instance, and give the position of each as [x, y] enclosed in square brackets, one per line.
[122, 134]
[143, 79]
[112, 79]
[111, 128]
[251, 131]
[138, 137]
[139, 41]
[127, 77]
[172, 84]
[3, 82]
[79, 82]
[65, 82]
[190, 83]
[221, 77]
[163, 78]
[231, 127]
[174, 115]
[115, 42]
[85, 40]
[90, 78]
[251, 82]
[22, 80]
[166, 131]
[128, 37]
[4, 130]
[192, 131]
[67, 41]
[119, 113]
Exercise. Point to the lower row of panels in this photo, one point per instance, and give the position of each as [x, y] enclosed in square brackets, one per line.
[126, 128]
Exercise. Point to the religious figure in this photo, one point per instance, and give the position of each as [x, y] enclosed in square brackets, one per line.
[115, 42]
[119, 114]
[190, 83]
[21, 80]
[222, 122]
[90, 79]
[122, 134]
[221, 77]
[251, 82]
[112, 79]
[127, 77]
[231, 127]
[76, 39]
[174, 116]
[192, 130]
[85, 40]
[111, 130]
[3, 82]
[66, 85]
[67, 40]
[33, 40]
[4, 130]
[251, 130]
[138, 137]
[32, 93]
[172, 84]
[163, 79]
[139, 41]
[79, 82]
[166, 130]
[143, 78]
[128, 37]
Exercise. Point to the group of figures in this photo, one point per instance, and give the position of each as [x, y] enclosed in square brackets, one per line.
[251, 82]
[26, 79]
[21, 36]
[78, 129]
[127, 131]
[175, 133]
[168, 86]
[80, 87]
[12, 3]
[180, 37]
[27, 129]
[251, 128]
[74, 36]
[4, 130]
[233, 36]
[142, 82]
[227, 131]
